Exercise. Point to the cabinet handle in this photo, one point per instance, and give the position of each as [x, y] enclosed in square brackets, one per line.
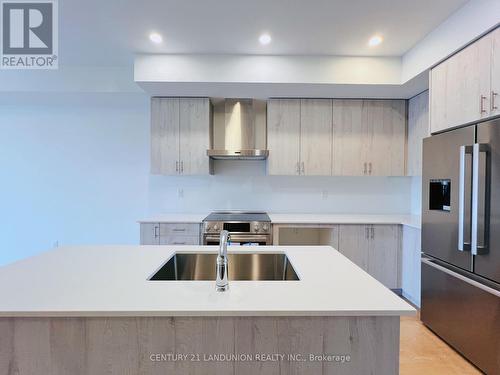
[493, 106]
[303, 168]
[179, 229]
[177, 166]
[155, 231]
[373, 232]
[182, 166]
[367, 232]
[178, 243]
[370, 168]
[481, 101]
[364, 169]
[298, 168]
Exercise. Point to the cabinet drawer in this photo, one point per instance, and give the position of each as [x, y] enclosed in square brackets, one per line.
[179, 240]
[183, 229]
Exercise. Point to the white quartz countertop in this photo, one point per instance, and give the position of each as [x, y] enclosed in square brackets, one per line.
[113, 281]
[175, 218]
[410, 220]
[301, 218]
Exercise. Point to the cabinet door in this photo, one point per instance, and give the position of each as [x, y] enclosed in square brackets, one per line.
[384, 254]
[316, 137]
[384, 124]
[418, 129]
[460, 87]
[150, 234]
[410, 264]
[194, 122]
[348, 138]
[495, 73]
[283, 136]
[164, 136]
[353, 243]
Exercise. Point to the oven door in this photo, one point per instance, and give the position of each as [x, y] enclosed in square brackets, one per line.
[240, 239]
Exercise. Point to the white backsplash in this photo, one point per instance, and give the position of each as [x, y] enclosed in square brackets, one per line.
[244, 185]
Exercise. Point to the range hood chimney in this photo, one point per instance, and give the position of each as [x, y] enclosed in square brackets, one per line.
[239, 129]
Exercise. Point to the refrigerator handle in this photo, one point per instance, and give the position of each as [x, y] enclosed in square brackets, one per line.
[477, 227]
[462, 245]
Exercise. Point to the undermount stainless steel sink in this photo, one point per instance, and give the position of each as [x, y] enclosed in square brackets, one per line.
[251, 266]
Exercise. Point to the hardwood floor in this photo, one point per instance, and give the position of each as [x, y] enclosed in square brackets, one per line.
[422, 352]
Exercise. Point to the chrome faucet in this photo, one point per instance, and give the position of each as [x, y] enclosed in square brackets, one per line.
[222, 284]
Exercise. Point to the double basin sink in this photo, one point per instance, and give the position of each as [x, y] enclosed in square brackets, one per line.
[242, 266]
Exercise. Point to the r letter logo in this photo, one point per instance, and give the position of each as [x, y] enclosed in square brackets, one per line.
[29, 34]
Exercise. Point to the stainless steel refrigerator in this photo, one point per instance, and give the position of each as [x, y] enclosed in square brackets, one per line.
[461, 241]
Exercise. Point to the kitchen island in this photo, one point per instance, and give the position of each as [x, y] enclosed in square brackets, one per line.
[93, 309]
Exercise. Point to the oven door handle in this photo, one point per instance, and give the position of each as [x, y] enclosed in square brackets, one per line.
[241, 238]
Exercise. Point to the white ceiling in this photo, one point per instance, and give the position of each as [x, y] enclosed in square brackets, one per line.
[98, 32]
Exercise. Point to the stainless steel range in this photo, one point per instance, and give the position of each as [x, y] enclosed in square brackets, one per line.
[245, 228]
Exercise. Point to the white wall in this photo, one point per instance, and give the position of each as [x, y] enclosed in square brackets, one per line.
[75, 170]
[467, 23]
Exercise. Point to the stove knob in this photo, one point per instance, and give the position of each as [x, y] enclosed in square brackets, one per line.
[216, 227]
[207, 228]
[256, 228]
[265, 227]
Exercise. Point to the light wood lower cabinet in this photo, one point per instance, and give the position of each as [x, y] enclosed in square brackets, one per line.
[150, 233]
[353, 243]
[170, 234]
[138, 345]
[374, 248]
[384, 254]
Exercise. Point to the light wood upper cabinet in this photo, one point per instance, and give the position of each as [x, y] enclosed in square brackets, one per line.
[194, 136]
[369, 137]
[283, 139]
[418, 129]
[337, 137]
[495, 73]
[180, 136]
[316, 137]
[349, 146]
[384, 124]
[461, 86]
[299, 137]
[164, 136]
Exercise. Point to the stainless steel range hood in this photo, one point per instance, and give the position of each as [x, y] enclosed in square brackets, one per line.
[239, 129]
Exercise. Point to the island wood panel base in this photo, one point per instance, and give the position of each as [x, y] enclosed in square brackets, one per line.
[89, 346]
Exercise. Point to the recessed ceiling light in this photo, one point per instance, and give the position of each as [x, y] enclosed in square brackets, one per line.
[375, 40]
[155, 38]
[265, 39]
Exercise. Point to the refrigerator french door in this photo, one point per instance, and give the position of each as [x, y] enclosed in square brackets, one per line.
[461, 241]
